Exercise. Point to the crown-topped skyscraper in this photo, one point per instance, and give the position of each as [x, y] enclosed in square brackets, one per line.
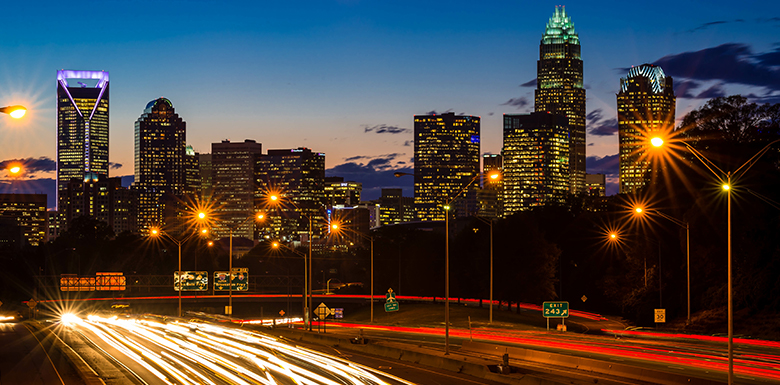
[559, 88]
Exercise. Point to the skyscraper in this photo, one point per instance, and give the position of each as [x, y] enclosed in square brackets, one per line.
[559, 88]
[645, 103]
[446, 159]
[536, 161]
[299, 176]
[234, 190]
[160, 140]
[491, 197]
[82, 125]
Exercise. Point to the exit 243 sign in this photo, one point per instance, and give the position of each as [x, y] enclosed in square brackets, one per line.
[555, 309]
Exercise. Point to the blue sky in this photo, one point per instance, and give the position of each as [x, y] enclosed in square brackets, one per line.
[346, 77]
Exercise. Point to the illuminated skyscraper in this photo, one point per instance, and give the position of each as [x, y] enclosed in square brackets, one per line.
[160, 140]
[446, 159]
[646, 103]
[298, 175]
[234, 190]
[82, 125]
[536, 161]
[559, 88]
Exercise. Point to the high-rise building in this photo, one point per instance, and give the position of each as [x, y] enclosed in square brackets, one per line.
[446, 159]
[28, 211]
[340, 193]
[160, 168]
[491, 197]
[559, 88]
[394, 207]
[206, 175]
[82, 125]
[298, 175]
[192, 182]
[646, 103]
[596, 185]
[536, 161]
[101, 198]
[234, 190]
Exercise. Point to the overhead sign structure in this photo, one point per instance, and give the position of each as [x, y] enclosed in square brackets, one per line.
[555, 309]
[239, 281]
[191, 280]
[390, 302]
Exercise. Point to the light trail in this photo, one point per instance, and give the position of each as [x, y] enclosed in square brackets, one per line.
[179, 352]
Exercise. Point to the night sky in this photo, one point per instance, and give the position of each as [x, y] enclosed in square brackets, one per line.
[346, 77]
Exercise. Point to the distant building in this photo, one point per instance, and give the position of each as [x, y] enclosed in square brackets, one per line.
[192, 181]
[103, 199]
[338, 192]
[646, 104]
[160, 161]
[298, 176]
[206, 175]
[536, 161]
[82, 125]
[234, 189]
[394, 207]
[559, 88]
[596, 185]
[26, 214]
[446, 160]
[491, 197]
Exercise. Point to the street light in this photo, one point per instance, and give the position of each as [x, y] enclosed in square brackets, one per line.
[493, 175]
[158, 232]
[336, 228]
[640, 211]
[259, 217]
[16, 112]
[726, 184]
[277, 245]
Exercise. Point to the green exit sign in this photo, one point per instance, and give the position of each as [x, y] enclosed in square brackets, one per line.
[555, 309]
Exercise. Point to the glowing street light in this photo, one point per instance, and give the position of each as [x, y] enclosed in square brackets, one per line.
[657, 141]
[16, 112]
[157, 232]
[336, 228]
[725, 179]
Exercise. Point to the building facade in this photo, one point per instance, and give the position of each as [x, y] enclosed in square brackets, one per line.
[340, 193]
[160, 161]
[491, 196]
[28, 213]
[394, 207]
[103, 199]
[234, 189]
[298, 177]
[82, 125]
[559, 88]
[536, 161]
[446, 160]
[646, 104]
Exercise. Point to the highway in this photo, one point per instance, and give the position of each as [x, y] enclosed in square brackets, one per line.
[155, 351]
[28, 356]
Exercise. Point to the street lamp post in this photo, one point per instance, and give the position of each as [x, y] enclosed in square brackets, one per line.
[446, 208]
[726, 184]
[337, 228]
[154, 231]
[277, 245]
[686, 226]
[490, 223]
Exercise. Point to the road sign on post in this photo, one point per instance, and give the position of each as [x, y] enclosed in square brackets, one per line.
[390, 302]
[555, 309]
[191, 280]
[660, 315]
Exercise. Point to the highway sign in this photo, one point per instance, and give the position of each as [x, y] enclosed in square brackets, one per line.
[1, 303]
[391, 306]
[281, 313]
[323, 311]
[191, 280]
[338, 312]
[31, 303]
[390, 294]
[660, 315]
[239, 280]
[555, 309]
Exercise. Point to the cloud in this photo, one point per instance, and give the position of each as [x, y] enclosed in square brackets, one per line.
[531, 83]
[729, 63]
[408, 143]
[599, 126]
[608, 165]
[383, 128]
[376, 174]
[32, 165]
[114, 166]
[519, 103]
[715, 91]
[432, 112]
[683, 89]
[707, 25]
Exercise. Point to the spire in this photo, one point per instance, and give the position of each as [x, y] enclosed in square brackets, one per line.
[560, 29]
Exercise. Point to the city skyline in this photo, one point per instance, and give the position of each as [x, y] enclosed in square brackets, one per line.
[346, 78]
